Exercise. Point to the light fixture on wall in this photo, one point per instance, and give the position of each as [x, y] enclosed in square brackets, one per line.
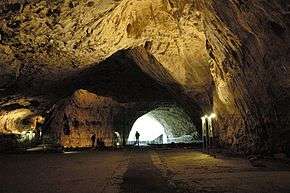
[213, 115]
[207, 130]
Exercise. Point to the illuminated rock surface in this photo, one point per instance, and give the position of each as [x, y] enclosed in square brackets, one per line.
[226, 56]
[81, 116]
[16, 116]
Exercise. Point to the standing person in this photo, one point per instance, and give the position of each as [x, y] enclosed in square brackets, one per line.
[98, 143]
[137, 135]
[93, 138]
[102, 143]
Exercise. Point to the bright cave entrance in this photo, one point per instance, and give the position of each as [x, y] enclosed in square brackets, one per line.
[163, 125]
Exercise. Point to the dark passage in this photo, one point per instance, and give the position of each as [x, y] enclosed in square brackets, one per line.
[143, 177]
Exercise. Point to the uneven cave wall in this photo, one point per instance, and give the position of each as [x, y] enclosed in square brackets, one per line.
[42, 42]
[82, 115]
[249, 44]
[176, 122]
[193, 102]
[20, 119]
[43, 39]
[20, 114]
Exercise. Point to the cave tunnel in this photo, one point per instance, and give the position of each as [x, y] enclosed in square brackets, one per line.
[205, 83]
[167, 124]
[106, 98]
[78, 77]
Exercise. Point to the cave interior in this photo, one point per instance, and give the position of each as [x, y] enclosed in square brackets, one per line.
[70, 70]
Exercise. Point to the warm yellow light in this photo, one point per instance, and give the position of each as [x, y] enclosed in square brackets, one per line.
[213, 115]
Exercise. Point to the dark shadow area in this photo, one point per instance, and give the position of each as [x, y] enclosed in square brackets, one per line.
[120, 78]
[142, 176]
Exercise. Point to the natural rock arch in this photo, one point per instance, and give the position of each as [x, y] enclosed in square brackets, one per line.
[226, 56]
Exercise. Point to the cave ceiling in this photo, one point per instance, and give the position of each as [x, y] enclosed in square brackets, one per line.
[226, 56]
[43, 42]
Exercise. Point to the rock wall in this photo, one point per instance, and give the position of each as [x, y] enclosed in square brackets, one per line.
[249, 43]
[176, 122]
[80, 116]
[227, 56]
[44, 39]
[19, 115]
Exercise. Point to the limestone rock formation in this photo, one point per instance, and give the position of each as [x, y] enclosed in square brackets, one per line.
[81, 116]
[16, 116]
[248, 42]
[226, 56]
[175, 121]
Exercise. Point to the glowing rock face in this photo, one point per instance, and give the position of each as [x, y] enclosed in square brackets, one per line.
[81, 116]
[13, 122]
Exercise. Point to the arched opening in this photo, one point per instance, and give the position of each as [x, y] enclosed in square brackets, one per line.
[164, 125]
[111, 96]
[151, 131]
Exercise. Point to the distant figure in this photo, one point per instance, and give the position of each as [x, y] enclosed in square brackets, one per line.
[93, 138]
[137, 135]
[98, 143]
[102, 143]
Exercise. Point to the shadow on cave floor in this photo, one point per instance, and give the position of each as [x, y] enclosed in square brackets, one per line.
[142, 176]
[139, 171]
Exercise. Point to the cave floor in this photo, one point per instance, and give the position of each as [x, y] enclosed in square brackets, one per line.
[139, 171]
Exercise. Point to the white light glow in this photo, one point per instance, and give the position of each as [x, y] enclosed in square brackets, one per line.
[149, 129]
[213, 115]
[26, 135]
[117, 134]
[71, 152]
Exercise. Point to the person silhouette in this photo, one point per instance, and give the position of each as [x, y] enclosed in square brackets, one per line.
[98, 143]
[93, 138]
[102, 143]
[137, 135]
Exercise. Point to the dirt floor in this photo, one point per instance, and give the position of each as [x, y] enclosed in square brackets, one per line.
[140, 171]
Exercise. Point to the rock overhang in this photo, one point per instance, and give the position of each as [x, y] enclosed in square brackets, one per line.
[227, 56]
